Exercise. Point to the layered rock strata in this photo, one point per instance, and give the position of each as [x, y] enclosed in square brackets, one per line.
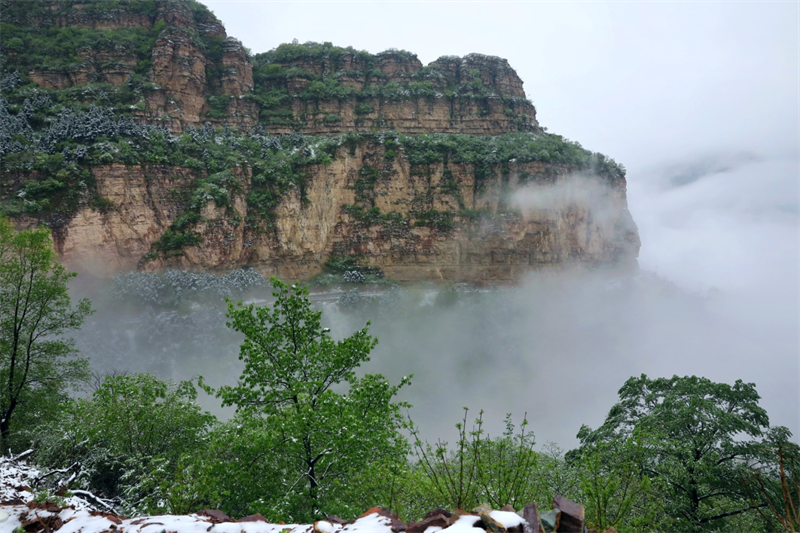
[485, 242]
[170, 64]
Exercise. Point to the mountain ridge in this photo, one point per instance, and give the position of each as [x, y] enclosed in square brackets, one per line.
[146, 138]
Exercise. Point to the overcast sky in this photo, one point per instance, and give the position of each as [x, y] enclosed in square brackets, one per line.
[698, 100]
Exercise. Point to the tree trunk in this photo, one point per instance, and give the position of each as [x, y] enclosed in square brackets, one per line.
[5, 434]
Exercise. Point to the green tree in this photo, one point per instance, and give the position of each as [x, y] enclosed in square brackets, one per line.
[132, 439]
[615, 488]
[37, 363]
[317, 438]
[701, 436]
[776, 482]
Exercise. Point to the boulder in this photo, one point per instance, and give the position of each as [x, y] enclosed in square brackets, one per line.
[253, 518]
[215, 515]
[396, 525]
[550, 520]
[531, 515]
[491, 524]
[458, 514]
[445, 512]
[436, 520]
[333, 519]
[572, 515]
[482, 508]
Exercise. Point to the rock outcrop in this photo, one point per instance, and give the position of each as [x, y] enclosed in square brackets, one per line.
[485, 243]
[120, 196]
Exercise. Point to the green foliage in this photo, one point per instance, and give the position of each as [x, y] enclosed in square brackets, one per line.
[775, 483]
[499, 471]
[342, 264]
[38, 364]
[61, 49]
[694, 431]
[309, 51]
[133, 436]
[318, 438]
[616, 490]
[172, 242]
[439, 221]
[218, 106]
[364, 109]
[322, 66]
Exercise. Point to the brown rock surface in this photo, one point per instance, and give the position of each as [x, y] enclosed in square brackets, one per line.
[531, 515]
[491, 524]
[572, 515]
[434, 520]
[500, 246]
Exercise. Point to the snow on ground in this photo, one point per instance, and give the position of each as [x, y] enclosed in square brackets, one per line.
[17, 478]
[83, 521]
[17, 507]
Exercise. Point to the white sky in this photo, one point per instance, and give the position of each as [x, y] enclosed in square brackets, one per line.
[699, 100]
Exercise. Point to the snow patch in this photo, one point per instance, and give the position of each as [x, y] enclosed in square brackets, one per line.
[507, 518]
[466, 524]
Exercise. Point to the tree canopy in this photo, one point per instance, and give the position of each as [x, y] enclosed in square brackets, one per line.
[38, 364]
[700, 437]
[317, 437]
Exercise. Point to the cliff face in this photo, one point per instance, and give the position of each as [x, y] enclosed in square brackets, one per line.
[193, 73]
[339, 90]
[102, 137]
[485, 243]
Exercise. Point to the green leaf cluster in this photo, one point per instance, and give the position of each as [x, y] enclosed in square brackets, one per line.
[132, 437]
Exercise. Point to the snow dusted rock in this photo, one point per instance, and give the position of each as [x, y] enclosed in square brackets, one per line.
[394, 522]
[333, 519]
[491, 524]
[437, 520]
[215, 515]
[253, 518]
[465, 523]
[323, 526]
[370, 523]
[508, 519]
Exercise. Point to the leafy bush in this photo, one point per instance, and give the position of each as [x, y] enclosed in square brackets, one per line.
[503, 470]
[364, 109]
[129, 437]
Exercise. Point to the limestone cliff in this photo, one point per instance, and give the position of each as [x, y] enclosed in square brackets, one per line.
[394, 227]
[111, 133]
